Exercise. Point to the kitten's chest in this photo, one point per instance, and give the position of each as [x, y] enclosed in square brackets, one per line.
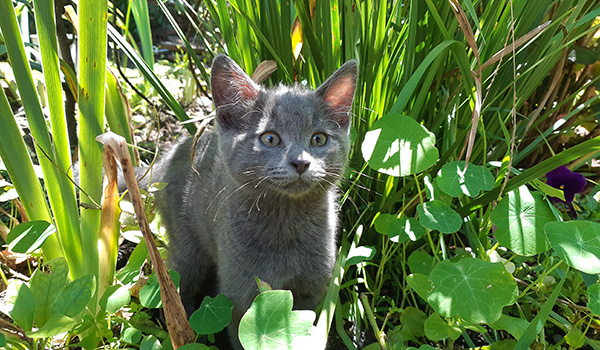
[282, 240]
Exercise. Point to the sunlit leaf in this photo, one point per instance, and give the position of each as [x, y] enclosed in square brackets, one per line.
[577, 243]
[359, 254]
[398, 145]
[437, 215]
[21, 304]
[270, 323]
[520, 217]
[473, 289]
[455, 180]
[56, 325]
[29, 236]
[399, 229]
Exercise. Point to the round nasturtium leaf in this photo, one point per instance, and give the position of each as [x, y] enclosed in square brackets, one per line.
[520, 217]
[398, 145]
[594, 298]
[213, 315]
[473, 289]
[270, 323]
[577, 243]
[455, 180]
[437, 215]
[399, 230]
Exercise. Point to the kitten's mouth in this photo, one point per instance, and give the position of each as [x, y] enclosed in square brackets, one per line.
[294, 186]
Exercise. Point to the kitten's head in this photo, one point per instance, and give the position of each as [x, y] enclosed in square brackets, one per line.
[288, 139]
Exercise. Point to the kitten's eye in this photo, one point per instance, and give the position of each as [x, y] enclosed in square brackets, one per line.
[270, 139]
[318, 139]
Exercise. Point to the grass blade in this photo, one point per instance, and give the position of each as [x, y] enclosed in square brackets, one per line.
[154, 80]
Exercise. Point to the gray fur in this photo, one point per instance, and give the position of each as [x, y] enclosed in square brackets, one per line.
[255, 210]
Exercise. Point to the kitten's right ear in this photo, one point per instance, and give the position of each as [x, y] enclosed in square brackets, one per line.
[233, 90]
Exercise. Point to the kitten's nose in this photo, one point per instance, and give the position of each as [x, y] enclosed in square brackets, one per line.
[300, 165]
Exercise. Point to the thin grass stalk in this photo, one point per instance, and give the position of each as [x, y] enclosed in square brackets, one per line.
[183, 38]
[154, 80]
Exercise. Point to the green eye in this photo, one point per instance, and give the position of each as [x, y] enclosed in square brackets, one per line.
[270, 139]
[318, 139]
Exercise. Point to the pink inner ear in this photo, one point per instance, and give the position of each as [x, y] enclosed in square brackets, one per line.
[339, 97]
[247, 91]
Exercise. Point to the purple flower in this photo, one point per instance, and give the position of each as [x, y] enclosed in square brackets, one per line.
[567, 181]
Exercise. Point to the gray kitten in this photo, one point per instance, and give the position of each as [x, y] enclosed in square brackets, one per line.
[264, 203]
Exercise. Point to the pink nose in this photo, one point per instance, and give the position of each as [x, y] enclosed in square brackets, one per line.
[300, 165]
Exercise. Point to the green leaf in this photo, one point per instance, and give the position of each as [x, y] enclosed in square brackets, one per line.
[520, 217]
[131, 335]
[213, 315]
[398, 145]
[437, 329]
[455, 181]
[399, 230]
[56, 325]
[150, 292]
[150, 343]
[473, 289]
[357, 255]
[46, 286]
[29, 236]
[21, 304]
[270, 323]
[114, 298]
[577, 243]
[513, 325]
[420, 262]
[132, 270]
[420, 284]
[575, 339]
[75, 296]
[412, 320]
[437, 215]
[594, 299]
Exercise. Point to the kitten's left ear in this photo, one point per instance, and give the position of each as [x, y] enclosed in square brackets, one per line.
[338, 91]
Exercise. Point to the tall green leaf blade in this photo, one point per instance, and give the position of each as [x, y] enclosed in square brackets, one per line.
[18, 163]
[66, 209]
[92, 81]
[142, 21]
[56, 183]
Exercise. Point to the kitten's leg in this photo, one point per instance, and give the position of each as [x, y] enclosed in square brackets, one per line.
[197, 280]
[308, 292]
[241, 290]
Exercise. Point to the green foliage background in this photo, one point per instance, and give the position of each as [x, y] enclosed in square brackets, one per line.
[449, 238]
